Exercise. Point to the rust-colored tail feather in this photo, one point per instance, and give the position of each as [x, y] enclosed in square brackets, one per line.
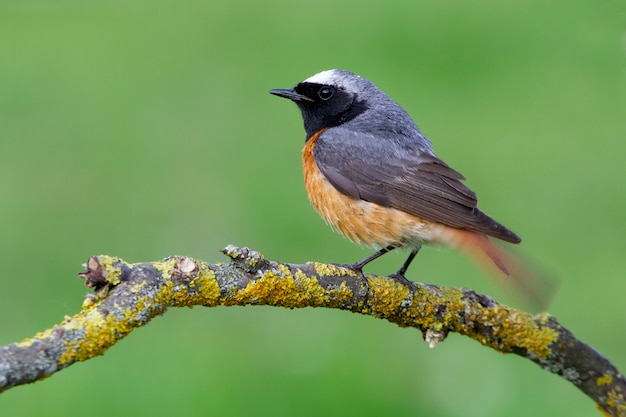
[535, 289]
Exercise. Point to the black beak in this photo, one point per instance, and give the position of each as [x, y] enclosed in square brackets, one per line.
[289, 93]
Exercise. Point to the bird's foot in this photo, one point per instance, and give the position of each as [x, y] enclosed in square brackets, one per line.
[358, 268]
[402, 280]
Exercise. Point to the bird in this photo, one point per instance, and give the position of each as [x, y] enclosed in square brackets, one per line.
[374, 177]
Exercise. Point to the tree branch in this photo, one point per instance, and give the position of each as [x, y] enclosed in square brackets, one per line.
[127, 296]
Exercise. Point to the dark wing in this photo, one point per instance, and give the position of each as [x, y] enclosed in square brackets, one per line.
[397, 172]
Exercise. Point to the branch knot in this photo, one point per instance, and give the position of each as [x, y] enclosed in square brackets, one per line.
[248, 259]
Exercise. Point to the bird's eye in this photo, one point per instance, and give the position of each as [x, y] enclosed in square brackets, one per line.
[325, 93]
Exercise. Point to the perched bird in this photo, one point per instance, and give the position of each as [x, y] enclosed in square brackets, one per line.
[374, 177]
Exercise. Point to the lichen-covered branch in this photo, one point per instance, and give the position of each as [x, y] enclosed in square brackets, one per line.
[127, 296]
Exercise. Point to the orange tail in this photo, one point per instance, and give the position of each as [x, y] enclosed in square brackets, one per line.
[535, 289]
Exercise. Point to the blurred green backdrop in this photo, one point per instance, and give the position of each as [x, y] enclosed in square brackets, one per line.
[144, 129]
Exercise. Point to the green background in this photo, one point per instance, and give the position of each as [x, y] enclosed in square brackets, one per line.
[144, 129]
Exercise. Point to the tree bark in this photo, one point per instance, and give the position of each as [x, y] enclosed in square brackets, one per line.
[127, 296]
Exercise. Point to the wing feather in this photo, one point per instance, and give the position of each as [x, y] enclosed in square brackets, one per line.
[397, 173]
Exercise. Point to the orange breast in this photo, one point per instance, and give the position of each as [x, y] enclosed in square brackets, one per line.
[358, 220]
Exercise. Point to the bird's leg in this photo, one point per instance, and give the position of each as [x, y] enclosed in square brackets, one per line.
[399, 275]
[358, 266]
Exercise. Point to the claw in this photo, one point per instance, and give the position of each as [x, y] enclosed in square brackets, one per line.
[401, 279]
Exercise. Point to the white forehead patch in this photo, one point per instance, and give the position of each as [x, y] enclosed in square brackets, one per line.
[341, 79]
[324, 77]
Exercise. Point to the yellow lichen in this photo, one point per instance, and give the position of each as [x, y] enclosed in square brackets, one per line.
[252, 262]
[102, 332]
[281, 288]
[164, 295]
[330, 269]
[112, 273]
[137, 287]
[142, 303]
[208, 288]
[99, 335]
[604, 413]
[88, 302]
[166, 267]
[336, 297]
[514, 328]
[605, 379]
[387, 297]
[615, 399]
[40, 335]
[179, 296]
